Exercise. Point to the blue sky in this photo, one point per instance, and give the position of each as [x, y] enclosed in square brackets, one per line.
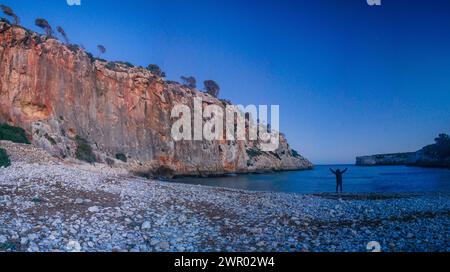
[350, 79]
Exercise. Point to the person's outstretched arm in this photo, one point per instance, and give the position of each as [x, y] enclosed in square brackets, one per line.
[332, 171]
[344, 170]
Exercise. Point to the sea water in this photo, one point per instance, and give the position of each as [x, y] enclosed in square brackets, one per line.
[394, 179]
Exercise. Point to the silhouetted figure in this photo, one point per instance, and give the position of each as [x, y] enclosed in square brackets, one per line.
[339, 180]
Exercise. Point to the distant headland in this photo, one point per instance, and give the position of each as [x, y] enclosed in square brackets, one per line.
[436, 155]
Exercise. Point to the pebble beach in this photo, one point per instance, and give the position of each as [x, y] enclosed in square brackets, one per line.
[49, 205]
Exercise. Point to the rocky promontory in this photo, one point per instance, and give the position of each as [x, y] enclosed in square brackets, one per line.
[62, 96]
[387, 159]
[436, 155]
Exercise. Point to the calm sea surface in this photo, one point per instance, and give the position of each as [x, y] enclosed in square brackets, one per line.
[357, 179]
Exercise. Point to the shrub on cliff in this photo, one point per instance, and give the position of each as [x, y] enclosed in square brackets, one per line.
[13, 134]
[125, 63]
[212, 88]
[189, 82]
[73, 47]
[116, 65]
[295, 153]
[101, 50]
[84, 150]
[91, 57]
[226, 102]
[254, 152]
[9, 12]
[4, 20]
[4, 158]
[441, 149]
[121, 157]
[42, 23]
[156, 70]
[63, 34]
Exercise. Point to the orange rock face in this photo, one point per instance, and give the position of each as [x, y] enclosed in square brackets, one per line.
[56, 92]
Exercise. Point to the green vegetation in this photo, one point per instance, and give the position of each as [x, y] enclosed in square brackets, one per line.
[189, 82]
[172, 82]
[212, 88]
[125, 63]
[115, 65]
[13, 134]
[84, 150]
[295, 153]
[156, 70]
[226, 102]
[42, 23]
[121, 157]
[4, 20]
[276, 155]
[8, 246]
[111, 66]
[9, 12]
[101, 49]
[63, 34]
[254, 152]
[441, 149]
[91, 57]
[74, 47]
[4, 158]
[99, 59]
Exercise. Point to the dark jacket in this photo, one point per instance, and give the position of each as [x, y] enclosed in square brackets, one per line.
[339, 175]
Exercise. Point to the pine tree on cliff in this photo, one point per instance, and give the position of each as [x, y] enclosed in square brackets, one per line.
[189, 82]
[212, 88]
[156, 70]
[42, 23]
[9, 12]
[101, 50]
[63, 34]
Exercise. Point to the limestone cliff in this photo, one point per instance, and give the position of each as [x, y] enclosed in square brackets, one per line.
[56, 92]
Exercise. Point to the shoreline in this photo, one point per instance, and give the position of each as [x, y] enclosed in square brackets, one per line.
[230, 175]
